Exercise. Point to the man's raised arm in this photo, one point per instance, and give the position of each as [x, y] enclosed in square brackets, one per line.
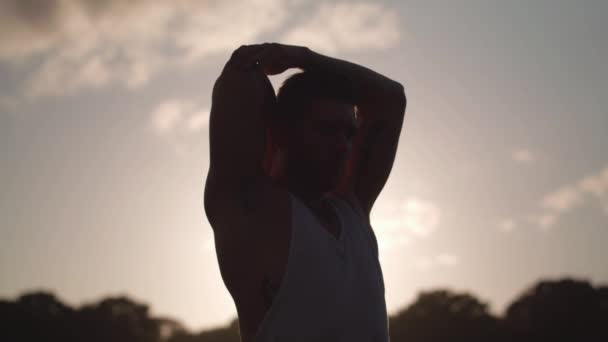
[380, 105]
[241, 98]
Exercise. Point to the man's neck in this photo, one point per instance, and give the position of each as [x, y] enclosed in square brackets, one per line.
[307, 193]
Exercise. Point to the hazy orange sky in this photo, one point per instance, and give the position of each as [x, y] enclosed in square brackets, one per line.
[500, 179]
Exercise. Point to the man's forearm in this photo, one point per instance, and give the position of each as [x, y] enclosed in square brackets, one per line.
[372, 89]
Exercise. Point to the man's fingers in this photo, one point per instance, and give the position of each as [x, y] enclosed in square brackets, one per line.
[264, 56]
[269, 56]
[243, 53]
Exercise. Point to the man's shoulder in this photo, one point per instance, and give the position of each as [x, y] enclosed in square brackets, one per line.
[250, 209]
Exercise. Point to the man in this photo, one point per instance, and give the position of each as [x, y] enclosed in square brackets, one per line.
[291, 184]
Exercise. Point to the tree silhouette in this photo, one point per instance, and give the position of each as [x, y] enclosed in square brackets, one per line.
[118, 319]
[562, 310]
[169, 328]
[33, 317]
[444, 316]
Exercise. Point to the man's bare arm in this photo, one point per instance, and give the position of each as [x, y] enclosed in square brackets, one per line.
[240, 99]
[371, 89]
[381, 106]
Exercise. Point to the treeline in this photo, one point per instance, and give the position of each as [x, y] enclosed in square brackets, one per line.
[559, 310]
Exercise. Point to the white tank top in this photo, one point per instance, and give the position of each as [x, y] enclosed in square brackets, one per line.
[333, 288]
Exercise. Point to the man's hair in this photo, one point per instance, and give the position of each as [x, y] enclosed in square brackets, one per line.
[298, 92]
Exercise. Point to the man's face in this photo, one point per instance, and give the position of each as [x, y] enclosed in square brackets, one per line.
[322, 142]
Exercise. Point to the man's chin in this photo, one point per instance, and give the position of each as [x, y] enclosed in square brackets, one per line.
[332, 182]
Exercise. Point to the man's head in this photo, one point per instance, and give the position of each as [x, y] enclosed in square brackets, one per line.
[313, 127]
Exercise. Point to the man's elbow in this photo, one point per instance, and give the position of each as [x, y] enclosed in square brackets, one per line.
[398, 98]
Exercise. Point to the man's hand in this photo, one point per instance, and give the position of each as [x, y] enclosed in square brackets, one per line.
[273, 58]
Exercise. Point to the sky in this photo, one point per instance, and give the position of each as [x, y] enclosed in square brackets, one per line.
[500, 178]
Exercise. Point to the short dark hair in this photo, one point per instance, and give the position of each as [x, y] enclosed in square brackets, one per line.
[298, 91]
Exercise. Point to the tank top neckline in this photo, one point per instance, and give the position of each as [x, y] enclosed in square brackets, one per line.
[336, 211]
[338, 242]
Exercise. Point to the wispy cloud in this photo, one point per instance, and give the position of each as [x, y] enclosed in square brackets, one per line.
[523, 155]
[426, 263]
[416, 216]
[91, 44]
[563, 199]
[85, 43]
[198, 120]
[568, 197]
[175, 120]
[347, 26]
[94, 43]
[398, 223]
[545, 220]
[595, 185]
[420, 217]
[224, 25]
[168, 115]
[177, 116]
[386, 244]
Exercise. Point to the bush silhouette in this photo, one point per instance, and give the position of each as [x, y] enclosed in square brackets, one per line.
[557, 310]
[565, 310]
[444, 316]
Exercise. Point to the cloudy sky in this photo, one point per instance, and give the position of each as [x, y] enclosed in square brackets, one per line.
[501, 176]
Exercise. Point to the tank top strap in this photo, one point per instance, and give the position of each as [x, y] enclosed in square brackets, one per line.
[346, 208]
[344, 204]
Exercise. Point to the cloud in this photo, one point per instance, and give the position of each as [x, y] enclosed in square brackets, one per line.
[176, 121]
[398, 223]
[196, 27]
[176, 116]
[563, 199]
[84, 44]
[420, 217]
[386, 243]
[347, 26]
[88, 44]
[568, 197]
[545, 220]
[523, 156]
[198, 120]
[225, 25]
[27, 27]
[91, 44]
[167, 115]
[416, 216]
[596, 185]
[425, 263]
[59, 76]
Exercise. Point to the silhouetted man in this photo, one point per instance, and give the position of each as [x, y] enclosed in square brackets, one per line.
[291, 184]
